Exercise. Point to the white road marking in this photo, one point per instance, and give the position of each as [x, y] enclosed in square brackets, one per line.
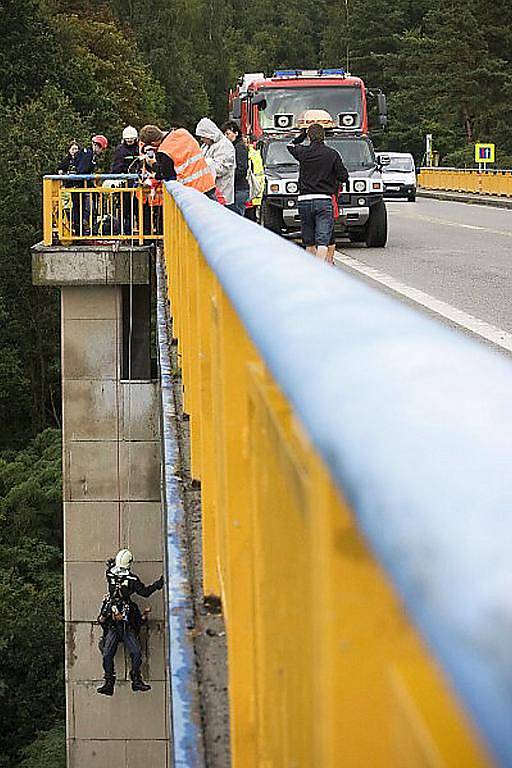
[487, 331]
[446, 223]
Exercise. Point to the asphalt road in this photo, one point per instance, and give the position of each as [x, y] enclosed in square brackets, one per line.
[457, 254]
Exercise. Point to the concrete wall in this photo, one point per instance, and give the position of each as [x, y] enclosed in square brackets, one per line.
[111, 465]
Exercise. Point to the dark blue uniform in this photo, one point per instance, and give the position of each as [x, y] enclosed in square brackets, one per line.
[121, 619]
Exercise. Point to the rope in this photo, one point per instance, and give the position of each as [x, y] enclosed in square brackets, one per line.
[129, 391]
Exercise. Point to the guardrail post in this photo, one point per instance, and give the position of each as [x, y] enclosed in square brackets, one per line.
[48, 186]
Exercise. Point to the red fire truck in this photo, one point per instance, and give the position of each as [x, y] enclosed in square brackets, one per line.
[264, 104]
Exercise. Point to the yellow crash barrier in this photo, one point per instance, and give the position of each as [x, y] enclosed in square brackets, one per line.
[467, 180]
[325, 668]
[104, 207]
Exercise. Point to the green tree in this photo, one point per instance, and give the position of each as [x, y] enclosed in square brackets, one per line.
[31, 633]
[80, 75]
[31, 138]
[48, 750]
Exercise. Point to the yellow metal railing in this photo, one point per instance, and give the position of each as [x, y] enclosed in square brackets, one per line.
[91, 208]
[467, 180]
[325, 669]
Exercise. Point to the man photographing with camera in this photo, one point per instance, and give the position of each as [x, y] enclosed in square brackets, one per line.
[178, 156]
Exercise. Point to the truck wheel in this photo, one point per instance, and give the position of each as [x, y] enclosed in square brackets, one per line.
[412, 196]
[377, 227]
[357, 236]
[271, 217]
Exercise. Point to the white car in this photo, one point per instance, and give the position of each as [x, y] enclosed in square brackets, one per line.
[398, 174]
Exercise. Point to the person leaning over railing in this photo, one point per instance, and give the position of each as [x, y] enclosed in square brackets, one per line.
[125, 159]
[126, 152]
[178, 156]
[88, 163]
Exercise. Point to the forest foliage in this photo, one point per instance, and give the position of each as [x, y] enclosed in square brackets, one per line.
[31, 601]
[69, 68]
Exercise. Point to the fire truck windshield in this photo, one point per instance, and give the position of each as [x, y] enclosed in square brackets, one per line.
[334, 99]
[357, 154]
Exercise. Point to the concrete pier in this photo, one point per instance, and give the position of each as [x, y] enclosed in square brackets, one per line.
[111, 472]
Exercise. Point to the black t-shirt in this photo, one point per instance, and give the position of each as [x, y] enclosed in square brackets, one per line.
[321, 169]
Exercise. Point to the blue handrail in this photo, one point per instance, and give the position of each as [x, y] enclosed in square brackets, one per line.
[186, 739]
[89, 176]
[414, 422]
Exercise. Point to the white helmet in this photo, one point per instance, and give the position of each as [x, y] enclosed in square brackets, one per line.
[130, 133]
[124, 559]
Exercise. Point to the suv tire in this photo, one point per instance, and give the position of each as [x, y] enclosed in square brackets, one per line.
[377, 228]
[357, 236]
[271, 217]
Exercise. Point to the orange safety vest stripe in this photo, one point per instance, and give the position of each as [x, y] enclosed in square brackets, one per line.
[189, 163]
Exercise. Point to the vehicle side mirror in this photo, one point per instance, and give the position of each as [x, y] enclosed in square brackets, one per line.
[382, 105]
[236, 108]
[259, 101]
[384, 160]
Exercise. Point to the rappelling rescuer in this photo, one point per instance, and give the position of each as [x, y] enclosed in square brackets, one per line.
[121, 619]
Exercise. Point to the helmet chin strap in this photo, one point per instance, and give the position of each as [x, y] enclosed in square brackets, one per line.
[119, 570]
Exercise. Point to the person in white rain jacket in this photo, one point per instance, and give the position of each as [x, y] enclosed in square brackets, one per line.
[219, 153]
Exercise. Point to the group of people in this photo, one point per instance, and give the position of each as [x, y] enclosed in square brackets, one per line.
[216, 161]
[219, 163]
[83, 160]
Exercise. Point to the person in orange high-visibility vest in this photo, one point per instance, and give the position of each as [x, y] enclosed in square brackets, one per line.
[178, 156]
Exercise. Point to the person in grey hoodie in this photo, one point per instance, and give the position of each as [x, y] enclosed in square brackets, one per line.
[219, 153]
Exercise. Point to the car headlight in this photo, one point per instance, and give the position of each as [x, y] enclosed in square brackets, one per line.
[274, 187]
[348, 120]
[292, 187]
[359, 186]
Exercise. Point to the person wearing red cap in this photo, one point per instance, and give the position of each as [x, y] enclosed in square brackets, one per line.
[88, 163]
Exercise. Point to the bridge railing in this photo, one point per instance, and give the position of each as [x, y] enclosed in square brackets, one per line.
[495, 182]
[353, 458]
[85, 208]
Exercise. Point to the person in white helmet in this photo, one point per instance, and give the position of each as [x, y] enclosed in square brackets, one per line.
[121, 619]
[125, 160]
[126, 152]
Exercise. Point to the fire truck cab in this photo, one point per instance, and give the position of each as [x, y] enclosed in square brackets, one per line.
[264, 104]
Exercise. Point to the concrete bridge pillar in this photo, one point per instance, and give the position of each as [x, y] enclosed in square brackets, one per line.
[111, 473]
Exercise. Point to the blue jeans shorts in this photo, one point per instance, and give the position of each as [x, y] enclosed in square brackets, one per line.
[317, 221]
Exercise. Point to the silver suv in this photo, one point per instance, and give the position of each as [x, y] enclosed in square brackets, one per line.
[363, 216]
